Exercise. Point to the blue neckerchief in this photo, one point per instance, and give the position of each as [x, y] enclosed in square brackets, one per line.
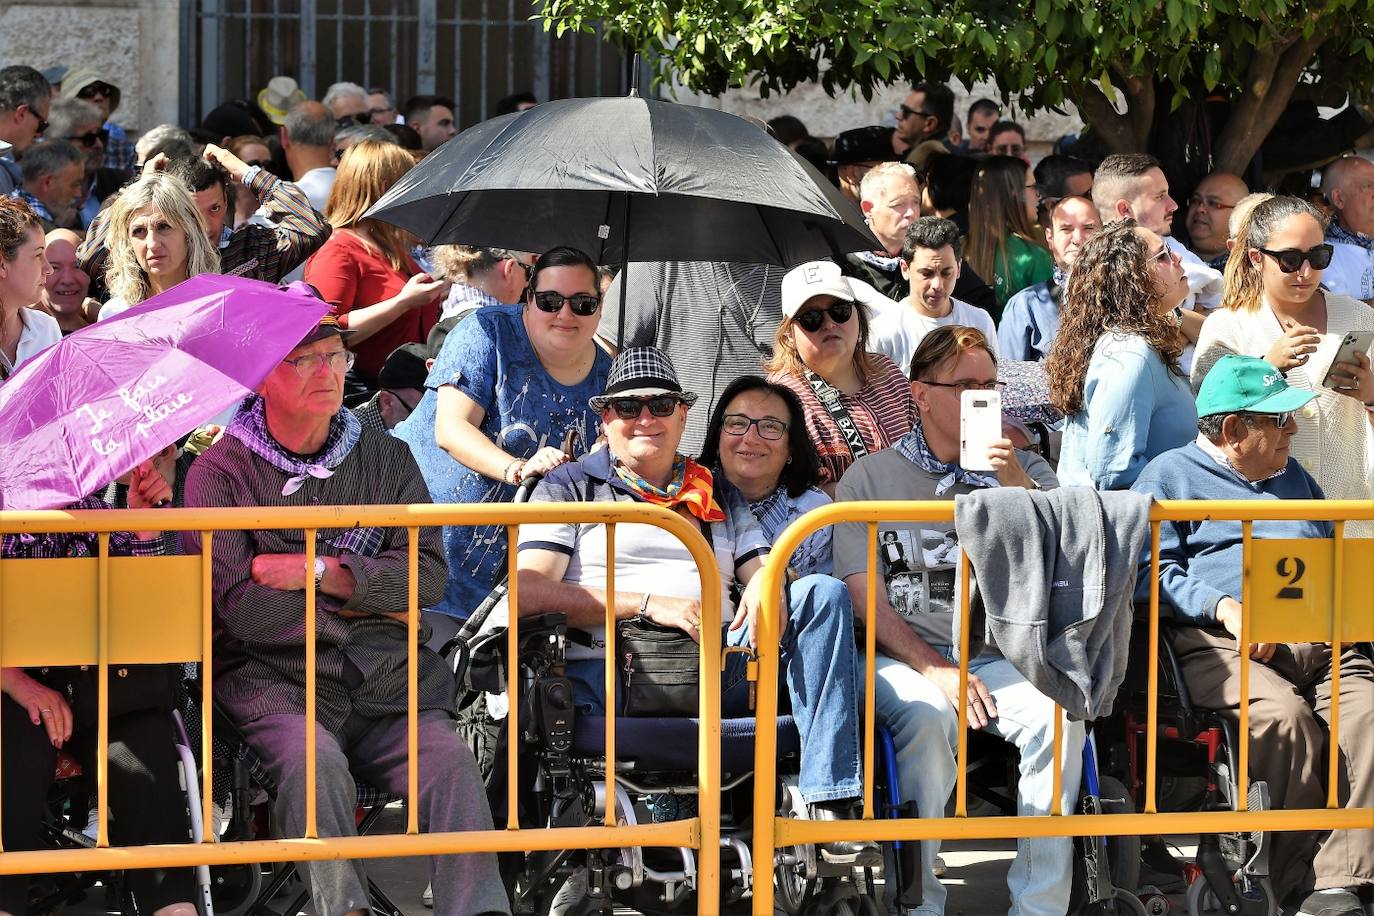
[250, 428]
[1060, 277]
[881, 261]
[39, 208]
[913, 448]
[1338, 233]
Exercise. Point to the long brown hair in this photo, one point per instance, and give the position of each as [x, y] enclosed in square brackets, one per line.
[788, 361]
[996, 210]
[1244, 284]
[1111, 288]
[366, 172]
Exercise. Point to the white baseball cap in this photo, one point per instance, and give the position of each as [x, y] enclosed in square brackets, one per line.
[814, 278]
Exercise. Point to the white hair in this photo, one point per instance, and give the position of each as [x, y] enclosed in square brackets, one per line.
[156, 136]
[881, 174]
[342, 90]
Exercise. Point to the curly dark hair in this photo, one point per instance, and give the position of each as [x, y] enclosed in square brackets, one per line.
[16, 219]
[1111, 288]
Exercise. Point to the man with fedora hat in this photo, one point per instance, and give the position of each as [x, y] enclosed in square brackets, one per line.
[1245, 425]
[295, 445]
[857, 151]
[277, 98]
[562, 567]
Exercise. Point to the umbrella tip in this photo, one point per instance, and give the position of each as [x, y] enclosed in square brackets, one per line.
[634, 77]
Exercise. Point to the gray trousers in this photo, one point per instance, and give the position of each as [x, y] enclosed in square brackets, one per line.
[1290, 713]
[374, 751]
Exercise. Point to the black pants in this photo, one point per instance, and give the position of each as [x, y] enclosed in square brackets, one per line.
[146, 801]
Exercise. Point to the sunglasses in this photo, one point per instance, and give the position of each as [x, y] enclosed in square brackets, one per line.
[839, 312]
[91, 137]
[1165, 254]
[1290, 259]
[912, 112]
[95, 90]
[350, 120]
[42, 122]
[662, 405]
[1281, 420]
[582, 305]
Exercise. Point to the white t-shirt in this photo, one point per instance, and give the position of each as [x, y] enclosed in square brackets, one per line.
[896, 333]
[1351, 271]
[41, 331]
[114, 306]
[316, 183]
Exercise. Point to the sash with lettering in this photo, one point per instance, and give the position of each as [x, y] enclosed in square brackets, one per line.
[829, 396]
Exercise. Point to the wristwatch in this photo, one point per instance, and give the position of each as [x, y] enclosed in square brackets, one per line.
[320, 569]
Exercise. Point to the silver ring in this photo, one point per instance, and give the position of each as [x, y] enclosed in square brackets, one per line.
[45, 710]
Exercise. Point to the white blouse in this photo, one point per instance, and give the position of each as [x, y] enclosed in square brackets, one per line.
[1334, 442]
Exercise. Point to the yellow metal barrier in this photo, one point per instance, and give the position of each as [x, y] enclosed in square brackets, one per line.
[97, 611]
[1347, 611]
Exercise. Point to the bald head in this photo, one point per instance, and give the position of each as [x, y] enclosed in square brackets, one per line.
[1208, 212]
[67, 284]
[1349, 187]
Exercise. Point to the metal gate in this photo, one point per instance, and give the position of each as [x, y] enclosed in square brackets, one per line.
[474, 51]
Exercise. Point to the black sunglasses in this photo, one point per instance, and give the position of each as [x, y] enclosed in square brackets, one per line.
[909, 112]
[42, 122]
[350, 120]
[839, 312]
[1290, 259]
[582, 305]
[94, 90]
[91, 137]
[630, 408]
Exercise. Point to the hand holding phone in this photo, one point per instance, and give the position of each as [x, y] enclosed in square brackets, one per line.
[980, 426]
[1352, 344]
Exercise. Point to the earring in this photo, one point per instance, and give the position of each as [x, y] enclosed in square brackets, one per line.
[789, 460]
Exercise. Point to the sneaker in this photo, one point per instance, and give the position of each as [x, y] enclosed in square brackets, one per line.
[858, 853]
[427, 898]
[1333, 901]
[572, 896]
[92, 828]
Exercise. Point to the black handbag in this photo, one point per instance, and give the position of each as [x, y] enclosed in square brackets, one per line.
[658, 668]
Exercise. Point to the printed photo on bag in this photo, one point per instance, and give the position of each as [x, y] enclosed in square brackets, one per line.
[919, 567]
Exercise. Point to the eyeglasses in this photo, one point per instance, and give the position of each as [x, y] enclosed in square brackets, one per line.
[310, 363]
[771, 428]
[95, 90]
[582, 305]
[968, 385]
[811, 321]
[42, 122]
[361, 117]
[373, 112]
[912, 112]
[662, 405]
[1280, 419]
[528, 269]
[1290, 259]
[91, 137]
[339, 152]
[1211, 203]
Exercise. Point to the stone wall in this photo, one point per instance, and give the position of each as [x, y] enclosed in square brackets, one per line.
[136, 43]
[825, 116]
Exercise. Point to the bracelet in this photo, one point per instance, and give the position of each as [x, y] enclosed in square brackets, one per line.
[512, 478]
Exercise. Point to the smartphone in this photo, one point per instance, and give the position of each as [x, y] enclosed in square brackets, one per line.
[1352, 342]
[980, 425]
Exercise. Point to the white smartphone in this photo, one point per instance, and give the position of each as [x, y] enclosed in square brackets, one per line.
[1352, 342]
[980, 425]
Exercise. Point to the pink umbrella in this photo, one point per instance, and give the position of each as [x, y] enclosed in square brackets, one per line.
[92, 407]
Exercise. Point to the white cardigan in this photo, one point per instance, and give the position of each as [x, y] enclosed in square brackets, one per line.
[1334, 442]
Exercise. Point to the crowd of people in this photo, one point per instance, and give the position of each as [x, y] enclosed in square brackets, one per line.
[1196, 365]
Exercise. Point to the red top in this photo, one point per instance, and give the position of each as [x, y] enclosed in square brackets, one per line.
[351, 275]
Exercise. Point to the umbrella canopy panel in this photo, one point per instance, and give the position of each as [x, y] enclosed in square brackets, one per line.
[679, 182]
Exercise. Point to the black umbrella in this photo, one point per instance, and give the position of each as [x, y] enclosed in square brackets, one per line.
[626, 179]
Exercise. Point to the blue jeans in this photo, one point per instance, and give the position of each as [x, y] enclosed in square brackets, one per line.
[818, 663]
[925, 730]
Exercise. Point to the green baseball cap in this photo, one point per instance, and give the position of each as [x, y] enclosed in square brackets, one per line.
[1245, 383]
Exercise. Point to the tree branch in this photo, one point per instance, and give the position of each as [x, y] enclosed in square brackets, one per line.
[1115, 129]
[1270, 79]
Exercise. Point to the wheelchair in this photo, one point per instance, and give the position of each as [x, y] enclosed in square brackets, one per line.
[562, 774]
[1198, 758]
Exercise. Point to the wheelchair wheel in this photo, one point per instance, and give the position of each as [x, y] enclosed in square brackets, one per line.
[1257, 901]
[1123, 852]
[796, 869]
[1128, 904]
[234, 888]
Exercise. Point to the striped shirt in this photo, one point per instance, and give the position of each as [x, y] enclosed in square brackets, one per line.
[882, 410]
[361, 661]
[259, 252]
[715, 320]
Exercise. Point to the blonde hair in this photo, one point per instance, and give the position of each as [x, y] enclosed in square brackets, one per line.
[1244, 279]
[465, 264]
[366, 172]
[169, 196]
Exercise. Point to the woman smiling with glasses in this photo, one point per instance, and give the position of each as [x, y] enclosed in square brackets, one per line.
[854, 402]
[1274, 307]
[508, 388]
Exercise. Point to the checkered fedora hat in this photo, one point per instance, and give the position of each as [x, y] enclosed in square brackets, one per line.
[640, 372]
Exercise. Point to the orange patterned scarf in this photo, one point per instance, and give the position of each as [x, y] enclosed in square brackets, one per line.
[692, 486]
